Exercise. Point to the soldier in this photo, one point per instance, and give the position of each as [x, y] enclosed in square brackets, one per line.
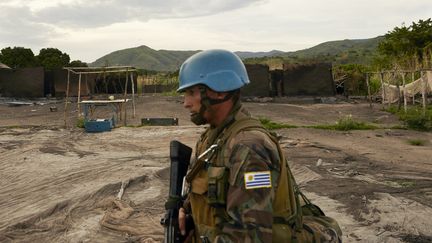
[239, 186]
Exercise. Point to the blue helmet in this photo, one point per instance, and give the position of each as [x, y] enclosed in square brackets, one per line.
[220, 70]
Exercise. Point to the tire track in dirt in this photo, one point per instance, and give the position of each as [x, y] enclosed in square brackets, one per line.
[376, 197]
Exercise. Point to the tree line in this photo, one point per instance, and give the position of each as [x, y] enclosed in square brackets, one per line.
[406, 47]
[49, 58]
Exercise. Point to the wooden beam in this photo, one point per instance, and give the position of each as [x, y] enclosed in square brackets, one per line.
[404, 92]
[133, 95]
[383, 94]
[125, 97]
[79, 96]
[424, 85]
[66, 100]
[369, 91]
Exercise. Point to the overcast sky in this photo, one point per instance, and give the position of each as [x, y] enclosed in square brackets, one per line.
[87, 30]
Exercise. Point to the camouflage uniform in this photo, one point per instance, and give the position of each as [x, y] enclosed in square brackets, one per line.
[244, 215]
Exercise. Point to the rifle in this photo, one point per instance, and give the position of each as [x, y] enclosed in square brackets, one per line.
[180, 157]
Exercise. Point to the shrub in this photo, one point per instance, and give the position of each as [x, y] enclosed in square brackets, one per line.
[80, 122]
[414, 117]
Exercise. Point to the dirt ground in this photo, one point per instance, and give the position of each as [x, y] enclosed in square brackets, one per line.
[60, 184]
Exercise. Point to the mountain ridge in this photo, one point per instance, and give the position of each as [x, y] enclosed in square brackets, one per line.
[339, 51]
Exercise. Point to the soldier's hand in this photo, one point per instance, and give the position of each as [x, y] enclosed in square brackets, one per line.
[182, 221]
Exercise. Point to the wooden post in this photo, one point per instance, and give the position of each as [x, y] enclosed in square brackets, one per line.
[119, 81]
[133, 94]
[368, 89]
[404, 92]
[424, 84]
[398, 90]
[412, 80]
[87, 85]
[106, 85]
[66, 99]
[79, 96]
[383, 93]
[125, 96]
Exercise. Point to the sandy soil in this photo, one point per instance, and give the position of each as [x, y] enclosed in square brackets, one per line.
[58, 184]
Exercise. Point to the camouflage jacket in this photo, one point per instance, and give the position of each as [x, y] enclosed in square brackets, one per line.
[245, 170]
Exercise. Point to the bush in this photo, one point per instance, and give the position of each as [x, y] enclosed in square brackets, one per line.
[414, 117]
[80, 122]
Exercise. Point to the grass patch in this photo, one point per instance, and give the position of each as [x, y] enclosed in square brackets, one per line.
[400, 183]
[346, 123]
[414, 117]
[417, 142]
[271, 125]
[80, 122]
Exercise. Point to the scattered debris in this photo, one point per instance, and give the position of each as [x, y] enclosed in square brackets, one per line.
[319, 162]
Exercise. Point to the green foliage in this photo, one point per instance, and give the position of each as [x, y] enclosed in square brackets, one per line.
[18, 57]
[80, 122]
[417, 142]
[406, 47]
[52, 58]
[346, 123]
[355, 83]
[270, 125]
[414, 117]
[400, 183]
[77, 63]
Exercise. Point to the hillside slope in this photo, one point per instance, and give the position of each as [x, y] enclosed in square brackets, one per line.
[339, 52]
[144, 57]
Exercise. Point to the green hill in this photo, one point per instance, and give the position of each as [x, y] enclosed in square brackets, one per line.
[338, 52]
[144, 57]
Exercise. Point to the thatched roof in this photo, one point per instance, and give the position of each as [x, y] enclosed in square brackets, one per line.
[4, 66]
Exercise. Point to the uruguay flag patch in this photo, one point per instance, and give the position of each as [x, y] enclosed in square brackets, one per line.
[260, 179]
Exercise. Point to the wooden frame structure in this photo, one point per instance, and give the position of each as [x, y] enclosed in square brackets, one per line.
[403, 74]
[129, 73]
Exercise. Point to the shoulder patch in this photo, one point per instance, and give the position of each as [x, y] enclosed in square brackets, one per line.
[259, 179]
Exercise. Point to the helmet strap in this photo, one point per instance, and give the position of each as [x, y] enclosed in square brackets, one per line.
[206, 103]
[198, 118]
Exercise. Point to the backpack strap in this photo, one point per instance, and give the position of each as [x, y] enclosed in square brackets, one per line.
[295, 219]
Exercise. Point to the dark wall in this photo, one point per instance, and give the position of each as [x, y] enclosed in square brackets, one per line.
[59, 78]
[308, 79]
[259, 80]
[22, 82]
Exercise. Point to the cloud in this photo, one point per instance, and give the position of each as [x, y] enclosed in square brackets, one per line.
[103, 13]
[38, 23]
[17, 28]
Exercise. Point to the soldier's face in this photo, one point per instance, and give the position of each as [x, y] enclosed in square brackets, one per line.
[192, 100]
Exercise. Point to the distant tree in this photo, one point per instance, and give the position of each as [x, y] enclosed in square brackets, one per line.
[18, 57]
[52, 58]
[77, 63]
[407, 46]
